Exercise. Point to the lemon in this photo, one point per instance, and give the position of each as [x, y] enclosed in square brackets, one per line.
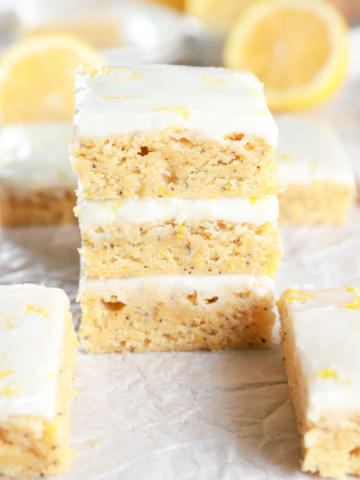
[179, 4]
[37, 77]
[219, 14]
[298, 48]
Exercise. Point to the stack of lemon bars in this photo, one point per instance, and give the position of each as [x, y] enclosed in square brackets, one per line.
[177, 208]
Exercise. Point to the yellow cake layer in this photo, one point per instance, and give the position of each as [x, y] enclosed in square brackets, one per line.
[35, 447]
[325, 202]
[181, 320]
[41, 207]
[172, 163]
[193, 248]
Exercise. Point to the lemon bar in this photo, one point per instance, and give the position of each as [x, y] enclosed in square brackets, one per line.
[168, 313]
[37, 363]
[169, 236]
[314, 166]
[37, 184]
[168, 130]
[320, 330]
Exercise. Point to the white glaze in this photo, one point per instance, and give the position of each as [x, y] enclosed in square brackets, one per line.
[35, 156]
[253, 210]
[309, 151]
[210, 102]
[168, 285]
[327, 339]
[31, 348]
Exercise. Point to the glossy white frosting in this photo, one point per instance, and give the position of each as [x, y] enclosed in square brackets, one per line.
[35, 156]
[210, 102]
[326, 326]
[167, 285]
[253, 210]
[31, 348]
[309, 151]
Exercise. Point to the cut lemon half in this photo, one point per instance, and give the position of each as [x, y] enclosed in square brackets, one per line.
[298, 48]
[179, 4]
[219, 14]
[37, 77]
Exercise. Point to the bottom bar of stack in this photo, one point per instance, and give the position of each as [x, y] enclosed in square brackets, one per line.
[168, 313]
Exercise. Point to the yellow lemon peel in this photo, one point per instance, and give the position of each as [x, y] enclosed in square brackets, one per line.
[298, 296]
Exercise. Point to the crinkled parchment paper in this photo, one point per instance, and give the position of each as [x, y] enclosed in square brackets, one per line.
[198, 415]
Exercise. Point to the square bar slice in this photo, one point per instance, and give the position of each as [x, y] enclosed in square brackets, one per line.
[169, 130]
[320, 332]
[37, 363]
[168, 313]
[316, 170]
[172, 236]
[37, 184]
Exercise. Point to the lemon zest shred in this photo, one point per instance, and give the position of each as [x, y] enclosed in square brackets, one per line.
[354, 304]
[53, 427]
[328, 373]
[181, 231]
[181, 110]
[298, 296]
[350, 288]
[272, 267]
[11, 390]
[37, 309]
[214, 82]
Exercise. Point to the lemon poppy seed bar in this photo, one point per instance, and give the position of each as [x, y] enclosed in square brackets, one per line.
[316, 170]
[37, 363]
[37, 184]
[170, 313]
[169, 236]
[320, 330]
[154, 131]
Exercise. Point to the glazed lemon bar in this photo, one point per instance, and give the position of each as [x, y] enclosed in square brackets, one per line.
[320, 330]
[168, 236]
[37, 184]
[167, 313]
[174, 247]
[37, 363]
[168, 130]
[316, 170]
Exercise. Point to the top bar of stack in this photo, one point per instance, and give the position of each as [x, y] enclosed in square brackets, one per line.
[204, 132]
[177, 208]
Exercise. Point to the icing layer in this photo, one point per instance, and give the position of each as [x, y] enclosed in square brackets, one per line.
[326, 325]
[166, 284]
[310, 150]
[31, 337]
[253, 210]
[210, 102]
[35, 156]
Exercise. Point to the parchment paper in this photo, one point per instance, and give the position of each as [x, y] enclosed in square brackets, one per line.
[198, 415]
